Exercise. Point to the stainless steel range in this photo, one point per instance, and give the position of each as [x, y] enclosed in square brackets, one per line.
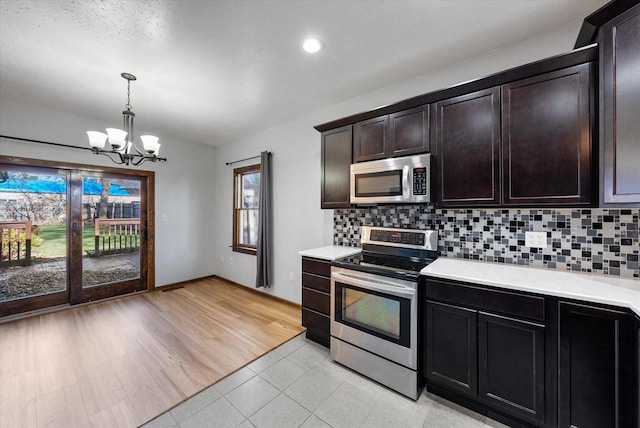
[374, 306]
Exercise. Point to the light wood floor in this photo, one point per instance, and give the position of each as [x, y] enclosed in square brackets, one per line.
[122, 362]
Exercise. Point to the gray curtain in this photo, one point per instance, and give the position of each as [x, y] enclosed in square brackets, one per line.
[264, 257]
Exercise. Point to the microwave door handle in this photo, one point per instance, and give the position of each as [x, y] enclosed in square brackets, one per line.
[407, 191]
[375, 285]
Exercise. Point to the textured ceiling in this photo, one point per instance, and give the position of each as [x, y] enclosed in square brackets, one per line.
[210, 71]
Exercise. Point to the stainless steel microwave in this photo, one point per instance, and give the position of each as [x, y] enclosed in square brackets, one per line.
[393, 180]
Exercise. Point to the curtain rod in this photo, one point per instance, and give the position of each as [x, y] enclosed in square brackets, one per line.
[242, 160]
[44, 142]
[29, 140]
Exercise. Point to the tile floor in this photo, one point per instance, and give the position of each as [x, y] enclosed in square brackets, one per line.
[297, 385]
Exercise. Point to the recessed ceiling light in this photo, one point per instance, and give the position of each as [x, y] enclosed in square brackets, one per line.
[312, 45]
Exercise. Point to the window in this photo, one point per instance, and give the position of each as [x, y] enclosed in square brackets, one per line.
[246, 198]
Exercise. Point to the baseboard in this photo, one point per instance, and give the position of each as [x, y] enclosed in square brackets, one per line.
[181, 283]
[256, 291]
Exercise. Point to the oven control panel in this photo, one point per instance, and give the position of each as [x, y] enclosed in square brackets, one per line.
[402, 238]
[397, 237]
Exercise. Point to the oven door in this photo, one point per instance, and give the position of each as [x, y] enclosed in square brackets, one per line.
[375, 313]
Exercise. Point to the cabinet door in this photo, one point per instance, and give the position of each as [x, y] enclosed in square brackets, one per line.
[511, 366]
[620, 97]
[370, 139]
[467, 140]
[336, 162]
[596, 368]
[409, 132]
[546, 139]
[451, 347]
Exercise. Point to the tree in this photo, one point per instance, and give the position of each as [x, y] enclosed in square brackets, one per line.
[104, 198]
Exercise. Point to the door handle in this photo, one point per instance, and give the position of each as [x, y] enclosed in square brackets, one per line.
[375, 285]
[74, 226]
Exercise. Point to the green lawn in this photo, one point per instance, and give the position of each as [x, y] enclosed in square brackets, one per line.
[54, 241]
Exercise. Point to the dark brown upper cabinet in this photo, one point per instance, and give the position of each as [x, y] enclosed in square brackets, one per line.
[336, 149]
[546, 139]
[409, 132]
[399, 134]
[370, 139]
[466, 134]
[620, 110]
[526, 143]
[536, 147]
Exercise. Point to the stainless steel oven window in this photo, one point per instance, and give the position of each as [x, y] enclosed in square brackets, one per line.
[379, 314]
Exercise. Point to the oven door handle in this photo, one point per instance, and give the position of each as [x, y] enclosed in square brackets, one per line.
[375, 285]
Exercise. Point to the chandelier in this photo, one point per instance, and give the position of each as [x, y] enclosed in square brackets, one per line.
[123, 149]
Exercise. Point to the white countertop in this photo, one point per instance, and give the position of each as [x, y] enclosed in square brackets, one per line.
[606, 289]
[330, 252]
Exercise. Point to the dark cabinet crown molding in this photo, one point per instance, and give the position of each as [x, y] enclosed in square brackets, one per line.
[597, 19]
[575, 57]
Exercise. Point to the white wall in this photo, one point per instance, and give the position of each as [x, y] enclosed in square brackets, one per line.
[299, 222]
[184, 191]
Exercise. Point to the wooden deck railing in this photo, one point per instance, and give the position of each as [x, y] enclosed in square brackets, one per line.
[12, 234]
[116, 235]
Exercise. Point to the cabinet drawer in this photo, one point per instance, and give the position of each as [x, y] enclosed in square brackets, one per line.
[317, 267]
[502, 302]
[317, 324]
[316, 300]
[316, 282]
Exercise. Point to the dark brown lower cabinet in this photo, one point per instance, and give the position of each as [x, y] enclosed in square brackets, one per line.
[316, 299]
[596, 368]
[499, 360]
[511, 359]
[451, 347]
[529, 360]
[486, 349]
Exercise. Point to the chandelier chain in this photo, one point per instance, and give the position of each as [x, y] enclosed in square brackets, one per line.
[128, 105]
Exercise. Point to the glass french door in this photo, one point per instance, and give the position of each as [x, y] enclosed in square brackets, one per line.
[70, 236]
[34, 206]
[108, 235]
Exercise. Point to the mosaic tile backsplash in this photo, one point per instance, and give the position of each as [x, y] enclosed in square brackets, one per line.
[600, 241]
